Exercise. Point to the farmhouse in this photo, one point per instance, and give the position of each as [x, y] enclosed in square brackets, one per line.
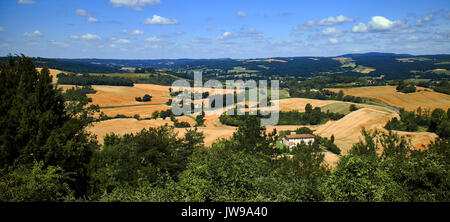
[294, 139]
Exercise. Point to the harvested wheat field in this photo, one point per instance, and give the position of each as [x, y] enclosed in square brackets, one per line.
[410, 101]
[300, 103]
[347, 131]
[144, 111]
[108, 96]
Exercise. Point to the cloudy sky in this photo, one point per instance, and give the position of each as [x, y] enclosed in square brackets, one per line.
[156, 29]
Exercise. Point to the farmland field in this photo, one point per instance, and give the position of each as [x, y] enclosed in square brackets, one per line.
[411, 101]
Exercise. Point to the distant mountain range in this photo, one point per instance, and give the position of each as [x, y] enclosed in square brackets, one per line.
[390, 65]
[375, 54]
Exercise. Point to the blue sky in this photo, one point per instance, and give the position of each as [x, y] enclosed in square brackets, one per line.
[156, 29]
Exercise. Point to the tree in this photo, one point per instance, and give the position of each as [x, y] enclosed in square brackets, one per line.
[38, 183]
[443, 129]
[353, 108]
[308, 108]
[146, 98]
[200, 119]
[303, 130]
[437, 116]
[37, 127]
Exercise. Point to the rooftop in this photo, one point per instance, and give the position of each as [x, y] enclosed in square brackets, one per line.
[299, 136]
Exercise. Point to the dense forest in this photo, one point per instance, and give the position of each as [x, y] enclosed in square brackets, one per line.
[47, 155]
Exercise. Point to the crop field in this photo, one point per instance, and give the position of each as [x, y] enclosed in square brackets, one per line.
[411, 101]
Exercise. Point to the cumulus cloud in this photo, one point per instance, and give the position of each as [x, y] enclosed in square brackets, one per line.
[90, 36]
[120, 41]
[333, 40]
[332, 32]
[361, 27]
[92, 19]
[153, 39]
[330, 21]
[84, 13]
[26, 2]
[32, 34]
[81, 12]
[381, 24]
[425, 19]
[134, 4]
[158, 20]
[241, 14]
[133, 32]
[225, 36]
[2, 29]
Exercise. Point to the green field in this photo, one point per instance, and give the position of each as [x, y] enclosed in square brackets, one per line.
[342, 108]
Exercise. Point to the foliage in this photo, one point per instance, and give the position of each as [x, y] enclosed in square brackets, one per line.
[145, 98]
[35, 182]
[436, 122]
[86, 79]
[406, 88]
[38, 126]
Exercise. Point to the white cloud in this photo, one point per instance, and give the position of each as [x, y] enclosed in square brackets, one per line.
[241, 14]
[74, 36]
[153, 39]
[92, 19]
[84, 13]
[335, 20]
[81, 12]
[425, 19]
[332, 32]
[361, 27]
[23, 2]
[90, 36]
[225, 35]
[133, 32]
[330, 21]
[333, 40]
[158, 20]
[381, 24]
[122, 41]
[134, 4]
[2, 29]
[32, 34]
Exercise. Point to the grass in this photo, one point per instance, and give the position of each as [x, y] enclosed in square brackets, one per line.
[342, 108]
[239, 69]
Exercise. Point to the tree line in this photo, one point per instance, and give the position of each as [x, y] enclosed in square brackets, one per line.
[86, 80]
[437, 121]
[309, 117]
